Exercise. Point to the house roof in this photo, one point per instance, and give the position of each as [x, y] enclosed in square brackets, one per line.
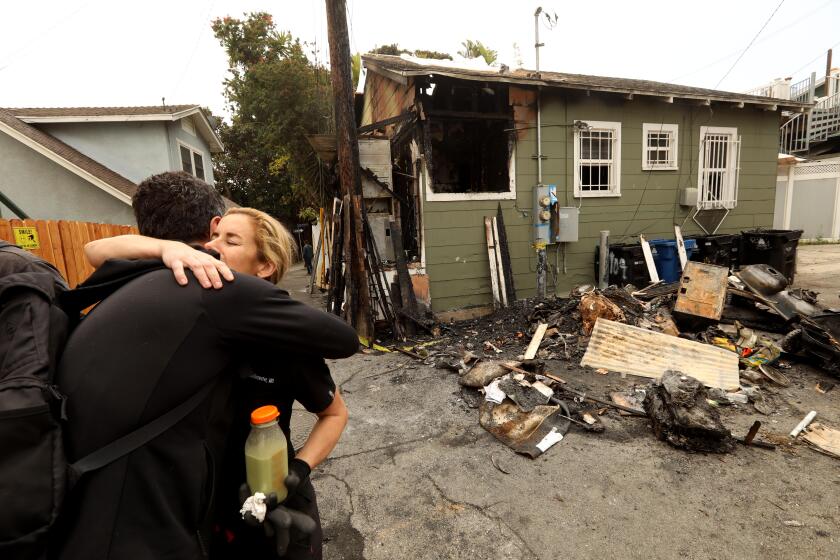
[399, 68]
[36, 115]
[32, 112]
[68, 157]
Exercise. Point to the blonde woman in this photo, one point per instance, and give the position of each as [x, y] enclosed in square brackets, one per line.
[249, 241]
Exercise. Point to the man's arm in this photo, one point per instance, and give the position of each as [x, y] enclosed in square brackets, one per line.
[252, 311]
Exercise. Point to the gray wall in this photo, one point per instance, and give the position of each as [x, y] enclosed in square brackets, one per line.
[135, 150]
[45, 190]
[812, 209]
[177, 132]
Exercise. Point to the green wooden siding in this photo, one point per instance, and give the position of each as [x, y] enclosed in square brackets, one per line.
[456, 253]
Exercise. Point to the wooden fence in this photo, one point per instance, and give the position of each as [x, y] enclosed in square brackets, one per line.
[60, 242]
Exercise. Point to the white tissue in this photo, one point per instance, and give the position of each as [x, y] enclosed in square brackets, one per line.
[255, 505]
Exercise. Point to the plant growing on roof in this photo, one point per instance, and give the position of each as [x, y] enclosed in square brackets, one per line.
[474, 49]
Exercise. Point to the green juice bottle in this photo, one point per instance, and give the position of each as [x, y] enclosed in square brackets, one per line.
[266, 456]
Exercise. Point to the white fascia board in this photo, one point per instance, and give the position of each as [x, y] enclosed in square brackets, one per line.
[70, 166]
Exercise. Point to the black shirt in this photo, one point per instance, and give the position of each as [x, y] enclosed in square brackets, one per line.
[138, 354]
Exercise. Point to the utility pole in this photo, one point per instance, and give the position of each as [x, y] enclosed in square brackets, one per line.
[828, 91]
[539, 244]
[347, 145]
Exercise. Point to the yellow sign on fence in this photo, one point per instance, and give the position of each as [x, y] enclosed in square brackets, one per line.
[26, 237]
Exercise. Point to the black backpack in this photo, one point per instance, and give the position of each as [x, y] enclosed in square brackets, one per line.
[37, 314]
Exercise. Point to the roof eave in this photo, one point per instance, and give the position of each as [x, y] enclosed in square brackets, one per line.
[213, 140]
[768, 104]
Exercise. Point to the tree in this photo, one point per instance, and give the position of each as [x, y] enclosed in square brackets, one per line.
[474, 49]
[276, 97]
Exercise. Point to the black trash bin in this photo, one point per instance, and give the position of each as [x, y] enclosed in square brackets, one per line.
[776, 247]
[625, 265]
[721, 249]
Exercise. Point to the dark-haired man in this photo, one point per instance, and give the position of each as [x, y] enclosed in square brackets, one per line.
[144, 350]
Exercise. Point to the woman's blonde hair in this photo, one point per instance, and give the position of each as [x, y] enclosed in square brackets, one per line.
[274, 242]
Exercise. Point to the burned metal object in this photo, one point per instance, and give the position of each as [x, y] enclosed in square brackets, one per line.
[821, 338]
[524, 431]
[769, 284]
[702, 293]
[680, 414]
[763, 279]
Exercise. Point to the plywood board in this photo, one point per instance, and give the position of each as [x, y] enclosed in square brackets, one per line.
[654, 276]
[491, 257]
[680, 246]
[624, 348]
[531, 352]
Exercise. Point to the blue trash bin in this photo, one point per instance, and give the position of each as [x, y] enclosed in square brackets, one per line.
[667, 260]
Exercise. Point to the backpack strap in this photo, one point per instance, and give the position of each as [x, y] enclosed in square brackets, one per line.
[136, 439]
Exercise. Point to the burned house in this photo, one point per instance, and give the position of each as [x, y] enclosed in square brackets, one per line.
[628, 156]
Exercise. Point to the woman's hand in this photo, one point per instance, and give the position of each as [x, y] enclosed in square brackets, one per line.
[208, 270]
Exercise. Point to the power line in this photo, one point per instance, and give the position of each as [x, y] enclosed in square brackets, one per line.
[751, 43]
[39, 38]
[816, 58]
[763, 39]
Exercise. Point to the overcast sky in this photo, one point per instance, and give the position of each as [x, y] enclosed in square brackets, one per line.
[101, 52]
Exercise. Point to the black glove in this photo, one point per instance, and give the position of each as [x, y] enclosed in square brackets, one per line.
[299, 471]
[281, 520]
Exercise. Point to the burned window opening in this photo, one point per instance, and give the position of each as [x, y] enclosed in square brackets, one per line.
[470, 156]
[405, 190]
[466, 139]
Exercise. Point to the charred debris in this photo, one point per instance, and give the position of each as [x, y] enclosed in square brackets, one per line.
[711, 342]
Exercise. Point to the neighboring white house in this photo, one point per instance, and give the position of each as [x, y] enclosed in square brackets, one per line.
[84, 163]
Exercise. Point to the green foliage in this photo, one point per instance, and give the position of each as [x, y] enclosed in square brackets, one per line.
[276, 96]
[393, 49]
[308, 214]
[356, 68]
[432, 54]
[474, 49]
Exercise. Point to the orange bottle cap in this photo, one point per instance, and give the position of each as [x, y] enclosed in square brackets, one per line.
[264, 414]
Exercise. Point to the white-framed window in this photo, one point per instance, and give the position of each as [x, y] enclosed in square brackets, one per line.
[717, 177]
[192, 160]
[659, 146]
[597, 170]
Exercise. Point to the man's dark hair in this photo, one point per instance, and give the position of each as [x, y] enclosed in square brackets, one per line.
[176, 206]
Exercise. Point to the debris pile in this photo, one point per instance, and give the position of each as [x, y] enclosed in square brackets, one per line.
[709, 344]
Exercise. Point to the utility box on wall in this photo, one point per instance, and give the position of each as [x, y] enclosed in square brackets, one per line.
[543, 198]
[567, 224]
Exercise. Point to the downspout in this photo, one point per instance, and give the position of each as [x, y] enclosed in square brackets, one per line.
[539, 244]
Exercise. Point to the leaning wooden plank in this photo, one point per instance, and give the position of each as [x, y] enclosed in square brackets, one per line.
[531, 351]
[680, 246]
[491, 258]
[619, 347]
[654, 276]
[500, 263]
